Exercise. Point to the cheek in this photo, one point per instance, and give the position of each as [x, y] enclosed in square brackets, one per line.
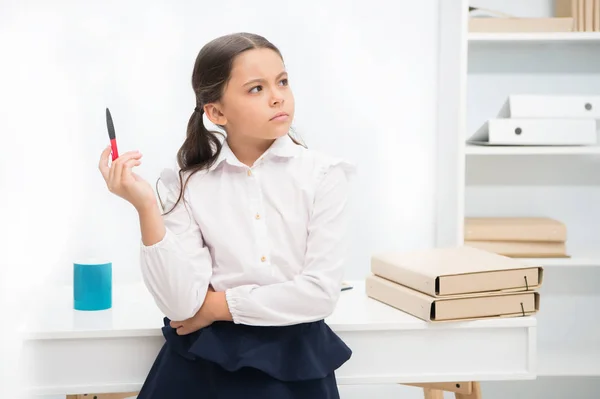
[246, 112]
[290, 98]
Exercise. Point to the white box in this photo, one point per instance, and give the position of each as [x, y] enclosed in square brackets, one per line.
[550, 106]
[536, 131]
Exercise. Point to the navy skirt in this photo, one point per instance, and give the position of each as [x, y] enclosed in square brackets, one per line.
[233, 361]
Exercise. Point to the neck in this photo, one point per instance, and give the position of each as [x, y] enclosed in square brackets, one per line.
[248, 149]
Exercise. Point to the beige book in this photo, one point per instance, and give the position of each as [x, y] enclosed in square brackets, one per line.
[567, 9]
[521, 24]
[589, 15]
[514, 229]
[581, 15]
[596, 15]
[441, 272]
[428, 308]
[522, 249]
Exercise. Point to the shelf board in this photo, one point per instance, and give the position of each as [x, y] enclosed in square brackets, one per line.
[536, 37]
[530, 150]
[576, 260]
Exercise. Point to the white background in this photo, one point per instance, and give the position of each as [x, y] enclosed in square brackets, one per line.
[364, 79]
[364, 76]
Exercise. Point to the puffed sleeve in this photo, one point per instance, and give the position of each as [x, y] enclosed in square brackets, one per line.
[313, 294]
[177, 269]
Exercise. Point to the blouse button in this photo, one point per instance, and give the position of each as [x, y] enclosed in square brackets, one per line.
[249, 172]
[257, 216]
[263, 259]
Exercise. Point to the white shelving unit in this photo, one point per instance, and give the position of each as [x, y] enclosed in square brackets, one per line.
[536, 38]
[537, 150]
[559, 182]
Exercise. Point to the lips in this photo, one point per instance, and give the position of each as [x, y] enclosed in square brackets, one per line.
[279, 116]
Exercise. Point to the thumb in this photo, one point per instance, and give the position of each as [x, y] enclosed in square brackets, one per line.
[175, 324]
[183, 330]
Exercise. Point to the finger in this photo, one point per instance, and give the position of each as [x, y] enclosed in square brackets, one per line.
[103, 163]
[127, 156]
[183, 330]
[115, 175]
[175, 324]
[127, 167]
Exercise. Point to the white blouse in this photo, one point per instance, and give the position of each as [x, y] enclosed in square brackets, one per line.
[272, 236]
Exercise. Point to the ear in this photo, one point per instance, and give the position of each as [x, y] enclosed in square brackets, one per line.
[214, 114]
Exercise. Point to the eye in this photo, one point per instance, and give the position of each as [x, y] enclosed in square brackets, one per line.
[284, 81]
[257, 88]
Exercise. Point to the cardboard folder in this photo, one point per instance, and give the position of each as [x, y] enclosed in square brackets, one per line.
[528, 229]
[535, 131]
[459, 270]
[555, 106]
[467, 307]
[520, 249]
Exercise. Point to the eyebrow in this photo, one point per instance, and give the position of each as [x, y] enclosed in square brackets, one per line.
[263, 80]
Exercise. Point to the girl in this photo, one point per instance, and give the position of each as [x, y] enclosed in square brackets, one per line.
[248, 258]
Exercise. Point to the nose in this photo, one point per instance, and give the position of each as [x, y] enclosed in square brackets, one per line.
[276, 98]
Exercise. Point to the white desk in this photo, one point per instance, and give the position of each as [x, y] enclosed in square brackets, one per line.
[71, 352]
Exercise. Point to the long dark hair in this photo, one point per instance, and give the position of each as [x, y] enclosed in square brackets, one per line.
[212, 71]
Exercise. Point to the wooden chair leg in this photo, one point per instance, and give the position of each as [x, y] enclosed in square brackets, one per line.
[475, 392]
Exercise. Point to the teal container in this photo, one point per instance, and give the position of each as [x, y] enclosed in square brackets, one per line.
[92, 285]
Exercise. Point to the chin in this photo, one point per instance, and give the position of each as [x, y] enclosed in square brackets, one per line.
[280, 132]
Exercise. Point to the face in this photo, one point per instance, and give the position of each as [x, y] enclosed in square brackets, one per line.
[257, 102]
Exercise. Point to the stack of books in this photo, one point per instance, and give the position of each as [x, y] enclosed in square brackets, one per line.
[585, 13]
[517, 237]
[452, 284]
[494, 21]
[569, 16]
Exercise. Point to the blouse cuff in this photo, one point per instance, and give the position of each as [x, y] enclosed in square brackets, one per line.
[232, 303]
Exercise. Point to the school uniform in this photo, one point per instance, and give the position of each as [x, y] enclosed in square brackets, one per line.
[273, 237]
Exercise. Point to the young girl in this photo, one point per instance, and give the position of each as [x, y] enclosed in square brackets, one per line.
[248, 258]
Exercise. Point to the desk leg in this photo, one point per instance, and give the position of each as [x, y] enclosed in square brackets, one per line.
[475, 394]
[431, 393]
[462, 390]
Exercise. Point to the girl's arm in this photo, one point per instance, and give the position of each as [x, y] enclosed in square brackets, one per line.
[313, 294]
[151, 225]
[176, 265]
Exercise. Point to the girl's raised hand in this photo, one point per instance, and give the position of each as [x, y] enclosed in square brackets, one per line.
[121, 181]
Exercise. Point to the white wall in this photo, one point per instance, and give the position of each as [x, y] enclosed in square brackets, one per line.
[364, 75]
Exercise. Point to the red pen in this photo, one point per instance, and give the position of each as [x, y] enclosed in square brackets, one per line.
[111, 135]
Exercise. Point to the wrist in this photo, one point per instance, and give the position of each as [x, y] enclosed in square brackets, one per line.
[217, 307]
[147, 208]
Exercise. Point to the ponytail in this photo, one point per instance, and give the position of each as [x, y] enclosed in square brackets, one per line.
[199, 151]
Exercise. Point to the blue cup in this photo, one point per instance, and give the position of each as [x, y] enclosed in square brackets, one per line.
[92, 285]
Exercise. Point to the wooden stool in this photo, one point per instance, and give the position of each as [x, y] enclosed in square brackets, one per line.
[462, 390]
[120, 395]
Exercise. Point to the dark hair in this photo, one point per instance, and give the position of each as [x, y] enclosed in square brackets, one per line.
[211, 73]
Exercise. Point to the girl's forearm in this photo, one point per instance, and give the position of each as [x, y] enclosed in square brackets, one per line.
[151, 225]
[216, 306]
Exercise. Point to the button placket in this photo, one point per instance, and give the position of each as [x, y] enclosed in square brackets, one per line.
[257, 209]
